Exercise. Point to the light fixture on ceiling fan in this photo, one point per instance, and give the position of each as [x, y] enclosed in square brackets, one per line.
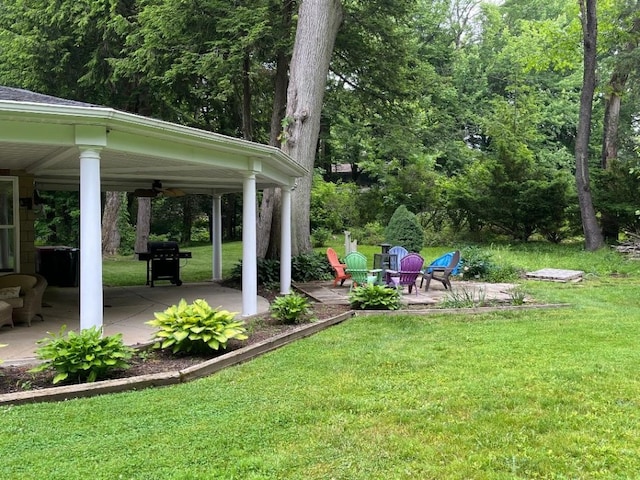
[157, 190]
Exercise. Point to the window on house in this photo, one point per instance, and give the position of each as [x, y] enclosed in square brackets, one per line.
[8, 224]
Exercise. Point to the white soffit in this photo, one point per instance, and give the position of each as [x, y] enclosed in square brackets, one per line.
[44, 140]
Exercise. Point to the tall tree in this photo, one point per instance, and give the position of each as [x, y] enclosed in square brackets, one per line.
[110, 232]
[318, 24]
[624, 59]
[592, 235]
[143, 223]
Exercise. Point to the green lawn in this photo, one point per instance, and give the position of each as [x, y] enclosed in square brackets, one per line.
[548, 394]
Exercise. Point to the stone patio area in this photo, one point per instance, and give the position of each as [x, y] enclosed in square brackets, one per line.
[325, 292]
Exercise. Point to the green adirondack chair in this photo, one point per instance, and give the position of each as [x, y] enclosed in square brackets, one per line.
[357, 268]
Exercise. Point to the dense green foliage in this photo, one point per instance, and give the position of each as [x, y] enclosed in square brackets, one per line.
[304, 267]
[464, 111]
[86, 356]
[374, 297]
[291, 308]
[404, 230]
[195, 327]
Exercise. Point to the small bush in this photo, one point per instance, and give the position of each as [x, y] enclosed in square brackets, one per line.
[500, 273]
[464, 299]
[518, 296]
[291, 308]
[310, 266]
[375, 297]
[304, 267]
[404, 230]
[87, 355]
[195, 327]
[268, 271]
[476, 263]
[320, 237]
[371, 234]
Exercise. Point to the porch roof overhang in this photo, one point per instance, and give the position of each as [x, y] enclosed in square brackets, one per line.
[44, 140]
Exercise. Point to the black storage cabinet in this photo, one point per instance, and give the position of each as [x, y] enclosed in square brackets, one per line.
[59, 265]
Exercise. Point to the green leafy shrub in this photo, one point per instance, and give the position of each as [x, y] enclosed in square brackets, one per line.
[502, 273]
[291, 308]
[304, 267]
[87, 355]
[476, 263]
[268, 271]
[195, 327]
[375, 297]
[404, 230]
[310, 266]
[371, 234]
[320, 237]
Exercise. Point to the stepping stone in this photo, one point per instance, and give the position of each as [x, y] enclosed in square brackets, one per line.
[556, 275]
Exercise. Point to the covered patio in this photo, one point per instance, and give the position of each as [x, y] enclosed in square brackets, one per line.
[48, 143]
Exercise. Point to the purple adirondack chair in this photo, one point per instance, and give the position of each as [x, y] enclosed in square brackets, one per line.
[410, 267]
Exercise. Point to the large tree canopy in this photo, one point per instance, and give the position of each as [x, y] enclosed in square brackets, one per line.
[442, 106]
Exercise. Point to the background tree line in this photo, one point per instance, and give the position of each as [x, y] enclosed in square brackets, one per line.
[464, 111]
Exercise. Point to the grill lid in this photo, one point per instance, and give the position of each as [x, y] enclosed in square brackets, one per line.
[163, 247]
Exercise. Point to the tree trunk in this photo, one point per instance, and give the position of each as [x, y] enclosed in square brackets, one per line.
[187, 218]
[613, 100]
[143, 223]
[110, 230]
[610, 224]
[247, 120]
[268, 216]
[592, 234]
[318, 24]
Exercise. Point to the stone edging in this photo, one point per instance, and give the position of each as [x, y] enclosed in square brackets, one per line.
[474, 310]
[67, 392]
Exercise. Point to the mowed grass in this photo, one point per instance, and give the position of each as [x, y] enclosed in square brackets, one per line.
[531, 394]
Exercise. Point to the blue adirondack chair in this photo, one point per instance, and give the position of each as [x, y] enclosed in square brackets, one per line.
[441, 269]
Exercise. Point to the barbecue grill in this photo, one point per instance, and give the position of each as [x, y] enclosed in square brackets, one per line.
[163, 261]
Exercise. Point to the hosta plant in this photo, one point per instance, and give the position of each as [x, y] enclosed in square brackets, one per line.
[195, 327]
[291, 308]
[375, 297]
[85, 356]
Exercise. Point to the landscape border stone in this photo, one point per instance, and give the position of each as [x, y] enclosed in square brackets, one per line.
[68, 392]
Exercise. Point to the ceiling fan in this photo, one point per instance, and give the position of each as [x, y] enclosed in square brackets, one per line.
[156, 190]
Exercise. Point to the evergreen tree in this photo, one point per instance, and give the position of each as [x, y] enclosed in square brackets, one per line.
[404, 230]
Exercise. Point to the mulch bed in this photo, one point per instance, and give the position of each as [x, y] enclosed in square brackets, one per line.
[147, 361]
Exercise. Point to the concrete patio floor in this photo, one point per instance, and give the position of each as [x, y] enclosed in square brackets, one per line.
[126, 309]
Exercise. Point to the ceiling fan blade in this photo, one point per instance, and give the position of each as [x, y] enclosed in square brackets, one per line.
[145, 192]
[172, 192]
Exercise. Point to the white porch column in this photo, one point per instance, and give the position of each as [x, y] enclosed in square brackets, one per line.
[216, 232]
[249, 247]
[285, 242]
[91, 300]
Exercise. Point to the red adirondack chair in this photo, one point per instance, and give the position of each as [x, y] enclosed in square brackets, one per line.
[338, 267]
